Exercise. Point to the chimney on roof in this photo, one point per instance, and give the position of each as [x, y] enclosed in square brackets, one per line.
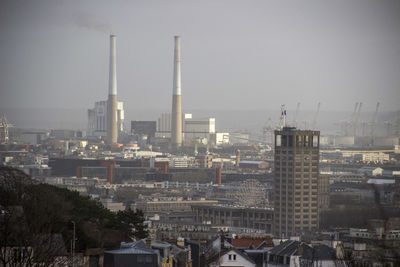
[148, 242]
[300, 250]
[180, 242]
[340, 251]
[218, 175]
[222, 238]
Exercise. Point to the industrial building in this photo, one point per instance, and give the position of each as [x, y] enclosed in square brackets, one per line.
[296, 181]
[148, 128]
[221, 138]
[144, 131]
[164, 123]
[106, 118]
[202, 128]
[194, 129]
[97, 119]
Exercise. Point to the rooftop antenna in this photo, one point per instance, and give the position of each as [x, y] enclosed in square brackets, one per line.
[283, 116]
[373, 122]
[296, 114]
[314, 122]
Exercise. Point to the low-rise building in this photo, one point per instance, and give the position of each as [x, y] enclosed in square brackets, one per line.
[236, 218]
[295, 253]
[233, 258]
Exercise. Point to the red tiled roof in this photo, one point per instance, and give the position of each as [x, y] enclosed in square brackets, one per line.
[245, 242]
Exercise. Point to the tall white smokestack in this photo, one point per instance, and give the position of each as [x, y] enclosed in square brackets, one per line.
[176, 123]
[112, 130]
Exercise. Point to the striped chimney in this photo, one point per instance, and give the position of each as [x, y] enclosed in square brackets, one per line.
[176, 120]
[112, 129]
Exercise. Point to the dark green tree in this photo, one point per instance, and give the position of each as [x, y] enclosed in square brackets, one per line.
[133, 223]
[32, 214]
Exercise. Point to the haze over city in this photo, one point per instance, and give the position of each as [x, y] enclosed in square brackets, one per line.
[199, 133]
[235, 55]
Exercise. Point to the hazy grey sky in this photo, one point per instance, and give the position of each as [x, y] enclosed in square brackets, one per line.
[235, 54]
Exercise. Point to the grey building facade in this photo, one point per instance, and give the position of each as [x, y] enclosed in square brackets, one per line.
[260, 219]
[296, 181]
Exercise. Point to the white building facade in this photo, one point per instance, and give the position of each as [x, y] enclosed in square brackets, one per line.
[195, 129]
[97, 119]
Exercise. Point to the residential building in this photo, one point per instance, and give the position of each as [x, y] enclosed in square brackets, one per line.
[296, 181]
[232, 258]
[132, 256]
[295, 253]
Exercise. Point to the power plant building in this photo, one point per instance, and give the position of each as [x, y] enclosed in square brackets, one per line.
[97, 119]
[194, 128]
[164, 125]
[199, 128]
[296, 181]
[106, 118]
[148, 128]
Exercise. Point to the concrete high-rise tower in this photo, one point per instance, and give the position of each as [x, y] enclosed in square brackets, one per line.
[112, 129]
[296, 182]
[176, 120]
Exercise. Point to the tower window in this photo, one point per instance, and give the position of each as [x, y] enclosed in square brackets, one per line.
[315, 141]
[278, 140]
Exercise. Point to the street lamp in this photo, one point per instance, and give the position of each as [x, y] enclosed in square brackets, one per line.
[73, 245]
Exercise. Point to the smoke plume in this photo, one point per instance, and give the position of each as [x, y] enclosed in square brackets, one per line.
[91, 22]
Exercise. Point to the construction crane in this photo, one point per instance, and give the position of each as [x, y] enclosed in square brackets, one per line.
[353, 116]
[296, 114]
[373, 122]
[357, 118]
[268, 132]
[314, 122]
[4, 125]
[349, 125]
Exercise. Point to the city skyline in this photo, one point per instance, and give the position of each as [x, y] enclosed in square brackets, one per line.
[199, 133]
[58, 51]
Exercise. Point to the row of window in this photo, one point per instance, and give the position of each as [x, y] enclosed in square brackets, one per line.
[305, 210]
[312, 163]
[232, 257]
[305, 181]
[305, 204]
[289, 211]
[305, 216]
[305, 199]
[305, 222]
[299, 141]
[304, 193]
